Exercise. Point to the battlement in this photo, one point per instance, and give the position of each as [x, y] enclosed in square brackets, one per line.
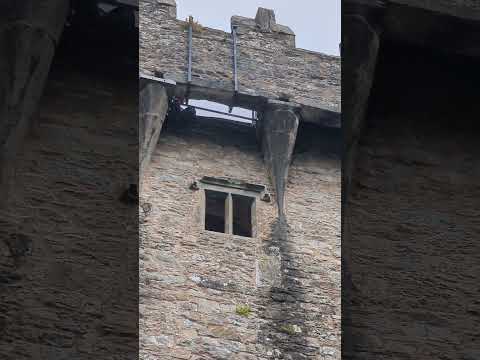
[268, 64]
[169, 7]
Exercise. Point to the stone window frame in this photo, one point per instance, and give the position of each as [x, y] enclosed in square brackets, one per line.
[231, 187]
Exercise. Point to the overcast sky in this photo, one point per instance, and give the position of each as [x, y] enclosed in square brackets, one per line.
[316, 23]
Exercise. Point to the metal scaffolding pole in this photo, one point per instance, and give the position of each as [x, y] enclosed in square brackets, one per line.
[235, 77]
[190, 35]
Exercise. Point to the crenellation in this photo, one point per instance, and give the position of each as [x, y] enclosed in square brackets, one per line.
[269, 64]
[265, 19]
[167, 7]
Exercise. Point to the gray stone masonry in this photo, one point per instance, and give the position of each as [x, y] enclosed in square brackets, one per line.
[269, 64]
[279, 131]
[152, 111]
[64, 234]
[28, 36]
[207, 295]
[410, 269]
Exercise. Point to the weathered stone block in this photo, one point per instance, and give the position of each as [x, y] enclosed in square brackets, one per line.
[280, 125]
[152, 112]
[265, 19]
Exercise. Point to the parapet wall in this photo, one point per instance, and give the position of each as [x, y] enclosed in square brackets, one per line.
[269, 64]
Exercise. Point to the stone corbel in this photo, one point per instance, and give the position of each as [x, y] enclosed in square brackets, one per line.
[152, 112]
[279, 132]
[29, 33]
[360, 46]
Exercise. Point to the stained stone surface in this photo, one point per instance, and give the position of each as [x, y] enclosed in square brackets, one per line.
[411, 223]
[67, 259]
[192, 281]
[265, 19]
[360, 46]
[280, 127]
[465, 9]
[269, 64]
[29, 34]
[153, 107]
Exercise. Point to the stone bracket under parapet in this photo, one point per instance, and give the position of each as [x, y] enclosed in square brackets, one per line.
[153, 109]
[360, 47]
[278, 132]
[29, 35]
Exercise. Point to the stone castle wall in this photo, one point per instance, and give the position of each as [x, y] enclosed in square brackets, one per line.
[269, 64]
[65, 238]
[411, 262]
[192, 280]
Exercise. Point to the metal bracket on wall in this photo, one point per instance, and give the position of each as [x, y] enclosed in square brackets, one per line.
[190, 35]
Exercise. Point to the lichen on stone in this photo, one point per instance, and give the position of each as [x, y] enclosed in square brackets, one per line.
[243, 310]
[291, 329]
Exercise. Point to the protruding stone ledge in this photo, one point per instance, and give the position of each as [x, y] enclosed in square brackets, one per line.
[360, 46]
[223, 93]
[469, 10]
[28, 38]
[152, 112]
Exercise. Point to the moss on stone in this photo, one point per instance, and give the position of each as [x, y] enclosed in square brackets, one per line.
[243, 310]
[290, 329]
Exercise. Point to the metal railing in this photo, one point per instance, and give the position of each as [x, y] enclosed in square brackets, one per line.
[190, 35]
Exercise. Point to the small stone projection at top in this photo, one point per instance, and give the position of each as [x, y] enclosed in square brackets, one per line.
[264, 20]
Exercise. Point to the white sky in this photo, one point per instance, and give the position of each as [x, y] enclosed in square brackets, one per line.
[316, 24]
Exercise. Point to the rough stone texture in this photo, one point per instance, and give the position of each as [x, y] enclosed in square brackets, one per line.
[360, 46]
[462, 9]
[410, 241]
[465, 9]
[67, 259]
[268, 63]
[265, 19]
[191, 280]
[448, 25]
[152, 111]
[29, 32]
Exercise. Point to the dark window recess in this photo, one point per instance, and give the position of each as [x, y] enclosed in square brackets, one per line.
[215, 211]
[242, 215]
